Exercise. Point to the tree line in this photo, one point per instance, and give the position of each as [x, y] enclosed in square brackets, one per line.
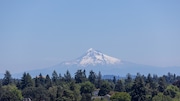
[59, 87]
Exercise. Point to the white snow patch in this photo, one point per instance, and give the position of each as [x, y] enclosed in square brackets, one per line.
[86, 60]
[94, 57]
[111, 60]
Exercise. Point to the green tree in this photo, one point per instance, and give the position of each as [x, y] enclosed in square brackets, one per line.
[67, 95]
[104, 89]
[170, 78]
[26, 81]
[65, 92]
[128, 83]
[114, 79]
[149, 79]
[76, 91]
[86, 97]
[59, 93]
[138, 89]
[99, 80]
[162, 84]
[172, 91]
[83, 97]
[92, 77]
[7, 78]
[86, 90]
[151, 87]
[119, 86]
[155, 78]
[39, 81]
[60, 77]
[52, 93]
[87, 87]
[177, 83]
[80, 76]
[10, 93]
[48, 82]
[161, 97]
[67, 76]
[121, 96]
[54, 78]
[36, 93]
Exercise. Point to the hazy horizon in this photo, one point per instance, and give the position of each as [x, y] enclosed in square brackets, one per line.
[40, 34]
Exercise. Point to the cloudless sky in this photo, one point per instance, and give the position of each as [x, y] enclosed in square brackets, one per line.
[41, 33]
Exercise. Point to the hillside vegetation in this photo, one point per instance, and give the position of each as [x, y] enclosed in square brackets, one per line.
[83, 87]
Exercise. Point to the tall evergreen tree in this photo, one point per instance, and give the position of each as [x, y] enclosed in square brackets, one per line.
[7, 78]
[41, 79]
[162, 84]
[84, 73]
[138, 89]
[149, 79]
[54, 77]
[80, 76]
[37, 82]
[48, 82]
[114, 79]
[60, 77]
[128, 83]
[155, 78]
[92, 77]
[67, 76]
[26, 81]
[99, 80]
[151, 87]
[119, 86]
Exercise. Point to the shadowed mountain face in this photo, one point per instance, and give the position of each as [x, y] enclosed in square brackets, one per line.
[107, 65]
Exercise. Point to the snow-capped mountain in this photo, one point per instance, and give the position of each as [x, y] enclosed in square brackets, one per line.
[94, 57]
[107, 65]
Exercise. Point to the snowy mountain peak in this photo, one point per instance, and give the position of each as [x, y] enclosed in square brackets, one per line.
[90, 50]
[93, 57]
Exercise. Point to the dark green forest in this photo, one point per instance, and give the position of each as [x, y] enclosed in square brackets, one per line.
[91, 87]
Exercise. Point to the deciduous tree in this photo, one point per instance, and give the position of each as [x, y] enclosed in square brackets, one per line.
[121, 96]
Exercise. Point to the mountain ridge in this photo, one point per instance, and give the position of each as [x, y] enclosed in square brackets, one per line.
[107, 65]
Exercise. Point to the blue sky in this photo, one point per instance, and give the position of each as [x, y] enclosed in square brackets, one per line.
[38, 34]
